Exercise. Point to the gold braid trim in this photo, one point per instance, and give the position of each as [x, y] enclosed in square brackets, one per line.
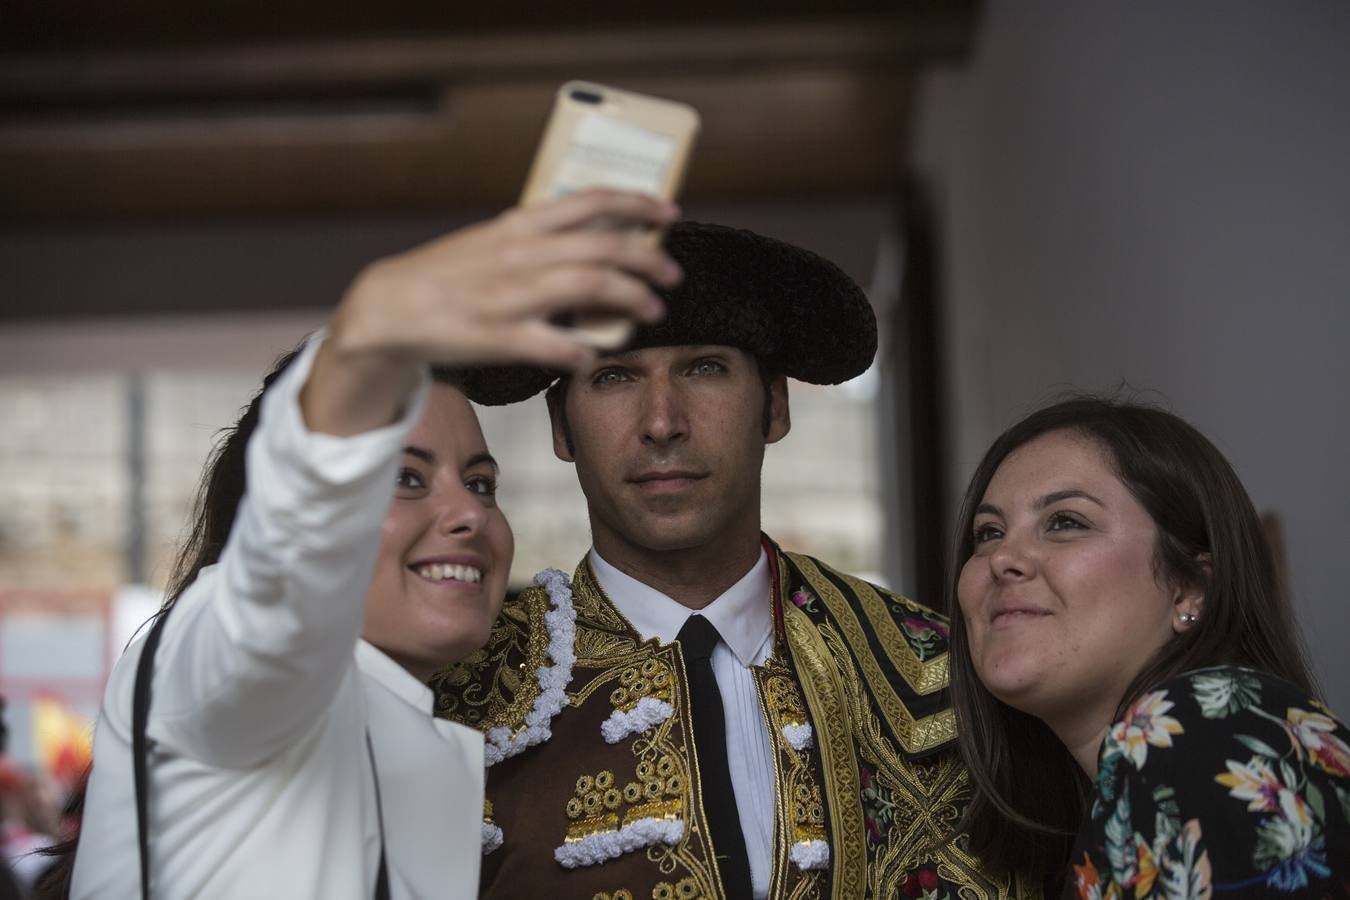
[825, 697]
[918, 735]
[798, 810]
[924, 677]
[929, 795]
[497, 685]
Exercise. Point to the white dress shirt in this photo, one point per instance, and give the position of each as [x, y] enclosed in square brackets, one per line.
[743, 618]
[260, 783]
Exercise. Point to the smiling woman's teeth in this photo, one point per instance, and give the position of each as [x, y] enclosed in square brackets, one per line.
[446, 572]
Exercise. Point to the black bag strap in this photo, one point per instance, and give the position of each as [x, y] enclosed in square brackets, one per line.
[382, 876]
[140, 718]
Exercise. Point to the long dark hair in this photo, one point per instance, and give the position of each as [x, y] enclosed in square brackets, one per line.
[1029, 793]
[220, 493]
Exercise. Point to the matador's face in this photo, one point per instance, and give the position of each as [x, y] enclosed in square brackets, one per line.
[668, 444]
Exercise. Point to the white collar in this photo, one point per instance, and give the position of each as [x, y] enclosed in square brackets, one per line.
[373, 661]
[741, 615]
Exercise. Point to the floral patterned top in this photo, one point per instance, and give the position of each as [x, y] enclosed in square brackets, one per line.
[1220, 782]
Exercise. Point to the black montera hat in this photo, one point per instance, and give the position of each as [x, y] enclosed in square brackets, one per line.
[799, 313]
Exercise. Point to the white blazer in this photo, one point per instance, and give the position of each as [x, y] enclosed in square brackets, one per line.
[260, 782]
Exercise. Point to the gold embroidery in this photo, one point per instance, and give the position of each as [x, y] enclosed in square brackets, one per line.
[593, 606]
[487, 812]
[651, 678]
[684, 889]
[799, 812]
[494, 687]
[593, 808]
[664, 785]
[593, 645]
[593, 825]
[820, 683]
[808, 888]
[924, 676]
[916, 735]
[928, 796]
[620, 894]
[804, 834]
[657, 809]
[808, 812]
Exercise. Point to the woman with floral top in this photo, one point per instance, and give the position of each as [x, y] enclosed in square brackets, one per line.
[1134, 705]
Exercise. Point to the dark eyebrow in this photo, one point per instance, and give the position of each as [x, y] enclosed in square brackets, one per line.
[1069, 494]
[1042, 503]
[421, 453]
[477, 459]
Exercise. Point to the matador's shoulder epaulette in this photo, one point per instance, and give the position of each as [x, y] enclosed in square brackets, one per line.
[513, 687]
[897, 647]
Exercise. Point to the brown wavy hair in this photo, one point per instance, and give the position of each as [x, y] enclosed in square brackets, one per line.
[1030, 795]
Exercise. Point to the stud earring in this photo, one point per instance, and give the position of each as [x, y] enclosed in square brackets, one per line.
[1188, 618]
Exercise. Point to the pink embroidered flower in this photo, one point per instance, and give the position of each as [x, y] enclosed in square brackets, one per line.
[1314, 732]
[801, 598]
[919, 627]
[1144, 723]
[923, 883]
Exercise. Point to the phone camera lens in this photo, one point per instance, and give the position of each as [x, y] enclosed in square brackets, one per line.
[587, 97]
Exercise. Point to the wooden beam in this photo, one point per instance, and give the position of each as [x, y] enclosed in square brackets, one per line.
[788, 108]
[763, 135]
[77, 26]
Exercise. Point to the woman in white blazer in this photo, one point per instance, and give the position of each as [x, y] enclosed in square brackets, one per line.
[289, 744]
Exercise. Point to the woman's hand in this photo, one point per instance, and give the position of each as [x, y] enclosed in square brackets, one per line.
[486, 294]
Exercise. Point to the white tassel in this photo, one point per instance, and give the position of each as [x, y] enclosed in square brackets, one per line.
[648, 712]
[808, 855]
[492, 837]
[799, 737]
[561, 621]
[606, 845]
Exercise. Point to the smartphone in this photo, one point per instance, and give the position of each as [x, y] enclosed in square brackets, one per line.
[600, 136]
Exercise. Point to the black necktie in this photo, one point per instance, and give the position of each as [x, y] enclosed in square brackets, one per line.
[697, 639]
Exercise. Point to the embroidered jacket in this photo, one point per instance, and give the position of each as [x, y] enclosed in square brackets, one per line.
[1223, 781]
[606, 803]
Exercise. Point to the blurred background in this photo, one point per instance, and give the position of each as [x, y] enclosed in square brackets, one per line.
[1038, 197]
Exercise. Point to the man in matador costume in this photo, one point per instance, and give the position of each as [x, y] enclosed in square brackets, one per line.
[697, 712]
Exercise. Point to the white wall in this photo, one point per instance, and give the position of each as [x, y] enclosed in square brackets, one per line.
[1160, 194]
